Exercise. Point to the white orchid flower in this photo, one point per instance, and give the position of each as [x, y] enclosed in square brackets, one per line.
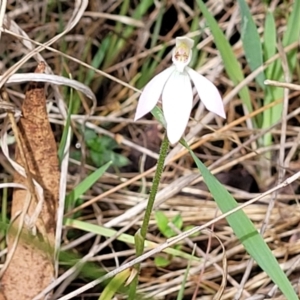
[174, 87]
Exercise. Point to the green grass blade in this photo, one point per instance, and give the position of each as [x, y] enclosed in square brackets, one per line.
[270, 48]
[251, 42]
[246, 232]
[275, 71]
[97, 60]
[290, 36]
[157, 26]
[115, 37]
[4, 214]
[231, 64]
[180, 295]
[126, 238]
[149, 65]
[194, 27]
[86, 184]
[269, 43]
[114, 285]
[159, 116]
[148, 69]
[127, 31]
[292, 32]
[63, 141]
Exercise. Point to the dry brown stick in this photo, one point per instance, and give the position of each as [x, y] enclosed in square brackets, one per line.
[32, 258]
[40, 224]
[11, 110]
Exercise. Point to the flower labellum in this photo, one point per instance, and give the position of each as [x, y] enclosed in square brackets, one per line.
[174, 87]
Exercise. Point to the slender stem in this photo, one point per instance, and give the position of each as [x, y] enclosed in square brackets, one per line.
[156, 180]
[141, 234]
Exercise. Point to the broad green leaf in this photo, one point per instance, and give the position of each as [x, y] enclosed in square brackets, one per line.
[246, 232]
[161, 261]
[117, 160]
[161, 221]
[251, 42]
[101, 150]
[177, 221]
[97, 143]
[186, 228]
[159, 116]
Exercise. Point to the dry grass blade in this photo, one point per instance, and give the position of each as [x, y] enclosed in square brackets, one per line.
[285, 85]
[9, 107]
[123, 19]
[50, 78]
[175, 240]
[221, 290]
[80, 6]
[2, 13]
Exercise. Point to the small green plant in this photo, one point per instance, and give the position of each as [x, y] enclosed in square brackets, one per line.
[165, 229]
[102, 150]
[162, 222]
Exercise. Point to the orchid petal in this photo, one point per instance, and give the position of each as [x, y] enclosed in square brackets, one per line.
[152, 92]
[207, 92]
[177, 102]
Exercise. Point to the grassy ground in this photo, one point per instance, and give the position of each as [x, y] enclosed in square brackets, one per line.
[115, 48]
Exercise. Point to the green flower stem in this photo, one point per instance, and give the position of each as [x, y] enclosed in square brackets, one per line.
[140, 236]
